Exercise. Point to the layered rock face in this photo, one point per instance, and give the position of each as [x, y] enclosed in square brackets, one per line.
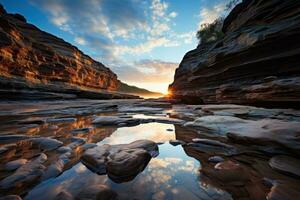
[33, 59]
[257, 61]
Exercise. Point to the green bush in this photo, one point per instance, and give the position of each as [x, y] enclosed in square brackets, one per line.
[211, 32]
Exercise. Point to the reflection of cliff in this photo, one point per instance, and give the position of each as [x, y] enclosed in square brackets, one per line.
[185, 134]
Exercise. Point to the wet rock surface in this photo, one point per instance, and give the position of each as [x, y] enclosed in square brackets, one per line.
[237, 148]
[25, 174]
[121, 162]
[15, 164]
[286, 164]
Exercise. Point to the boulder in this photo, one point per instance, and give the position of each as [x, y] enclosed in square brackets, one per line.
[121, 162]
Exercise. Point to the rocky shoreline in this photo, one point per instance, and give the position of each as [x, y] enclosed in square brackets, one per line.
[250, 152]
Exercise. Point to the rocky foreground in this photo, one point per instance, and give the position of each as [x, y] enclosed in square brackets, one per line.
[257, 61]
[249, 152]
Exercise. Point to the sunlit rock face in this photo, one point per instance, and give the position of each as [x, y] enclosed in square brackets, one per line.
[33, 59]
[257, 61]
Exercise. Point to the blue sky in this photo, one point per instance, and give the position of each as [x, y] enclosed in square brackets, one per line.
[142, 41]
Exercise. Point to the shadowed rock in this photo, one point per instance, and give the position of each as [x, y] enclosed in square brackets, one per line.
[176, 142]
[284, 191]
[5, 139]
[11, 197]
[114, 120]
[286, 164]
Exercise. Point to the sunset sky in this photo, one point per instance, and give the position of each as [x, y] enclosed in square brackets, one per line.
[142, 41]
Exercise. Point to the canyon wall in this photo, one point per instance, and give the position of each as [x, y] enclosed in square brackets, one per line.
[33, 62]
[256, 62]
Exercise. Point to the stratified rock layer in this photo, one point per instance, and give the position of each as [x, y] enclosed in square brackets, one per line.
[31, 59]
[257, 62]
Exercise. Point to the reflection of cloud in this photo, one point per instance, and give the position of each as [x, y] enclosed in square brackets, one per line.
[151, 131]
[173, 160]
[173, 164]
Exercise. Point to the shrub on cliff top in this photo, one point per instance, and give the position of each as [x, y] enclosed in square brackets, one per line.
[210, 32]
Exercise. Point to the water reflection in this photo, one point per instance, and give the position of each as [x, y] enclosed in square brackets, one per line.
[171, 175]
[151, 131]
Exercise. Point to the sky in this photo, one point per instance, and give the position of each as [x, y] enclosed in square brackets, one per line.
[142, 41]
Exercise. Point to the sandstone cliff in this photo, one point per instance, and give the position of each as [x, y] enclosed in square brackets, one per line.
[257, 61]
[39, 65]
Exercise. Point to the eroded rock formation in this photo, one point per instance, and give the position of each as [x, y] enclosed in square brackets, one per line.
[31, 59]
[257, 61]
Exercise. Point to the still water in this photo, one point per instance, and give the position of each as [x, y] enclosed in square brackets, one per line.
[170, 175]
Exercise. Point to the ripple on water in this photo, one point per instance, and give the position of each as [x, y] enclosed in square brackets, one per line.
[171, 175]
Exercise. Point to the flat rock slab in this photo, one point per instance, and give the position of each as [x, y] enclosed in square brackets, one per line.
[261, 132]
[114, 120]
[46, 143]
[60, 120]
[286, 164]
[6, 139]
[25, 174]
[7, 148]
[15, 164]
[213, 147]
[121, 162]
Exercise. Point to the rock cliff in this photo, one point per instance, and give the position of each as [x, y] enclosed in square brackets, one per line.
[40, 65]
[256, 62]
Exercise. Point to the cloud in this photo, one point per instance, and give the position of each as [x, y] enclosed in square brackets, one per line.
[80, 40]
[148, 71]
[209, 14]
[173, 14]
[113, 30]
